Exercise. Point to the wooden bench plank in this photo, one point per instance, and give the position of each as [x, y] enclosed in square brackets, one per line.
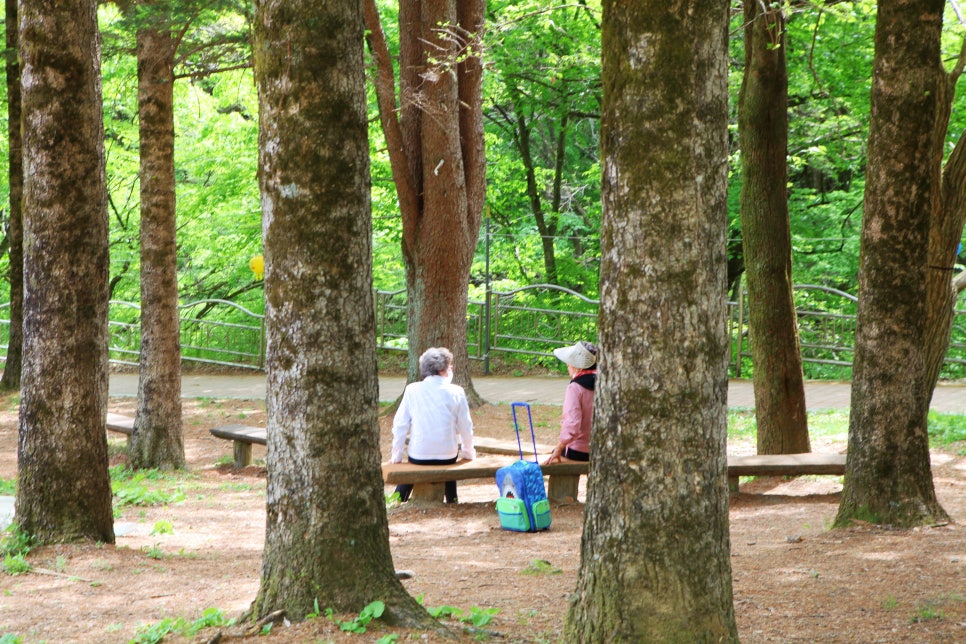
[486, 445]
[242, 438]
[783, 465]
[120, 423]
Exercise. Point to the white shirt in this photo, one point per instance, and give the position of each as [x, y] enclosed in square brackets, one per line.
[438, 416]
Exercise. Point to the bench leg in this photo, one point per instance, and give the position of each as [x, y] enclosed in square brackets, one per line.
[243, 454]
[428, 492]
[563, 489]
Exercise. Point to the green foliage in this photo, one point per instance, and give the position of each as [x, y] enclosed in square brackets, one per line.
[373, 610]
[13, 541]
[154, 633]
[946, 429]
[541, 567]
[140, 487]
[15, 565]
[478, 617]
[162, 527]
[10, 638]
[8, 487]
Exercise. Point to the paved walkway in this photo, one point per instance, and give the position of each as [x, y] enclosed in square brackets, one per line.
[949, 398]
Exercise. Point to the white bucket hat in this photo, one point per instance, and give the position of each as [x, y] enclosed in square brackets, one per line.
[582, 355]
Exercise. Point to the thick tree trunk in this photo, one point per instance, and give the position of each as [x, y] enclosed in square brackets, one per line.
[13, 365]
[327, 535]
[888, 477]
[64, 491]
[655, 561]
[157, 440]
[437, 156]
[766, 235]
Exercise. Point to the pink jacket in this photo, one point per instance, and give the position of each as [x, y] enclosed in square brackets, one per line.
[578, 408]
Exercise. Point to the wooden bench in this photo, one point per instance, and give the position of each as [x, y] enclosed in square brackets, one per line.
[486, 445]
[564, 476]
[783, 465]
[242, 438]
[427, 481]
[120, 423]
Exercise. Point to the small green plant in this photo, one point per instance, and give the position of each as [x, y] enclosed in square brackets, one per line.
[15, 565]
[8, 487]
[10, 638]
[391, 638]
[393, 500]
[154, 552]
[162, 527]
[480, 617]
[890, 603]
[524, 617]
[14, 546]
[541, 567]
[154, 633]
[373, 610]
[926, 612]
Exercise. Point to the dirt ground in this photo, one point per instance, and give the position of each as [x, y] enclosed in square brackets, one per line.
[795, 580]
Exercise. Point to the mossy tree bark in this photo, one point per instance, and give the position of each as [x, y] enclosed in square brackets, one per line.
[655, 554]
[888, 477]
[13, 364]
[436, 151]
[157, 440]
[327, 535]
[64, 491]
[766, 235]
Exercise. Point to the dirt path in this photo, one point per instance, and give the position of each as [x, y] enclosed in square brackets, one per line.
[794, 580]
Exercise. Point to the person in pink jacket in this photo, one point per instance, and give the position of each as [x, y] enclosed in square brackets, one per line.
[578, 405]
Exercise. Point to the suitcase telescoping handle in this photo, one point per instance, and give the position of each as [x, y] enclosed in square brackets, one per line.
[516, 426]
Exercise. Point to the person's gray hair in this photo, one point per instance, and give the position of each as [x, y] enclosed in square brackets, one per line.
[434, 361]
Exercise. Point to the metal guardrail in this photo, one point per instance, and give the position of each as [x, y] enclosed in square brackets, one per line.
[528, 321]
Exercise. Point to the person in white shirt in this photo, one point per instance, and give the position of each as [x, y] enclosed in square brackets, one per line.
[435, 415]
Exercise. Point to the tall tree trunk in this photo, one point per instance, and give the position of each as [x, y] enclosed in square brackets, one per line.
[655, 561]
[437, 157]
[64, 491]
[13, 365]
[327, 535]
[945, 232]
[766, 234]
[888, 477]
[157, 440]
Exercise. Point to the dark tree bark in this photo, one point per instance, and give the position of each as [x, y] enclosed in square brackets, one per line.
[945, 232]
[13, 365]
[888, 477]
[64, 491]
[766, 234]
[437, 156]
[157, 440]
[655, 551]
[327, 535]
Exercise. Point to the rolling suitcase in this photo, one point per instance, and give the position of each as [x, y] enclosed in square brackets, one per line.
[523, 504]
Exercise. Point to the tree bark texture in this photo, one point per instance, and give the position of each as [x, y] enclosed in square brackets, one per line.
[888, 477]
[64, 491]
[655, 561]
[437, 156]
[766, 235]
[157, 440]
[327, 536]
[13, 365]
[945, 232]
